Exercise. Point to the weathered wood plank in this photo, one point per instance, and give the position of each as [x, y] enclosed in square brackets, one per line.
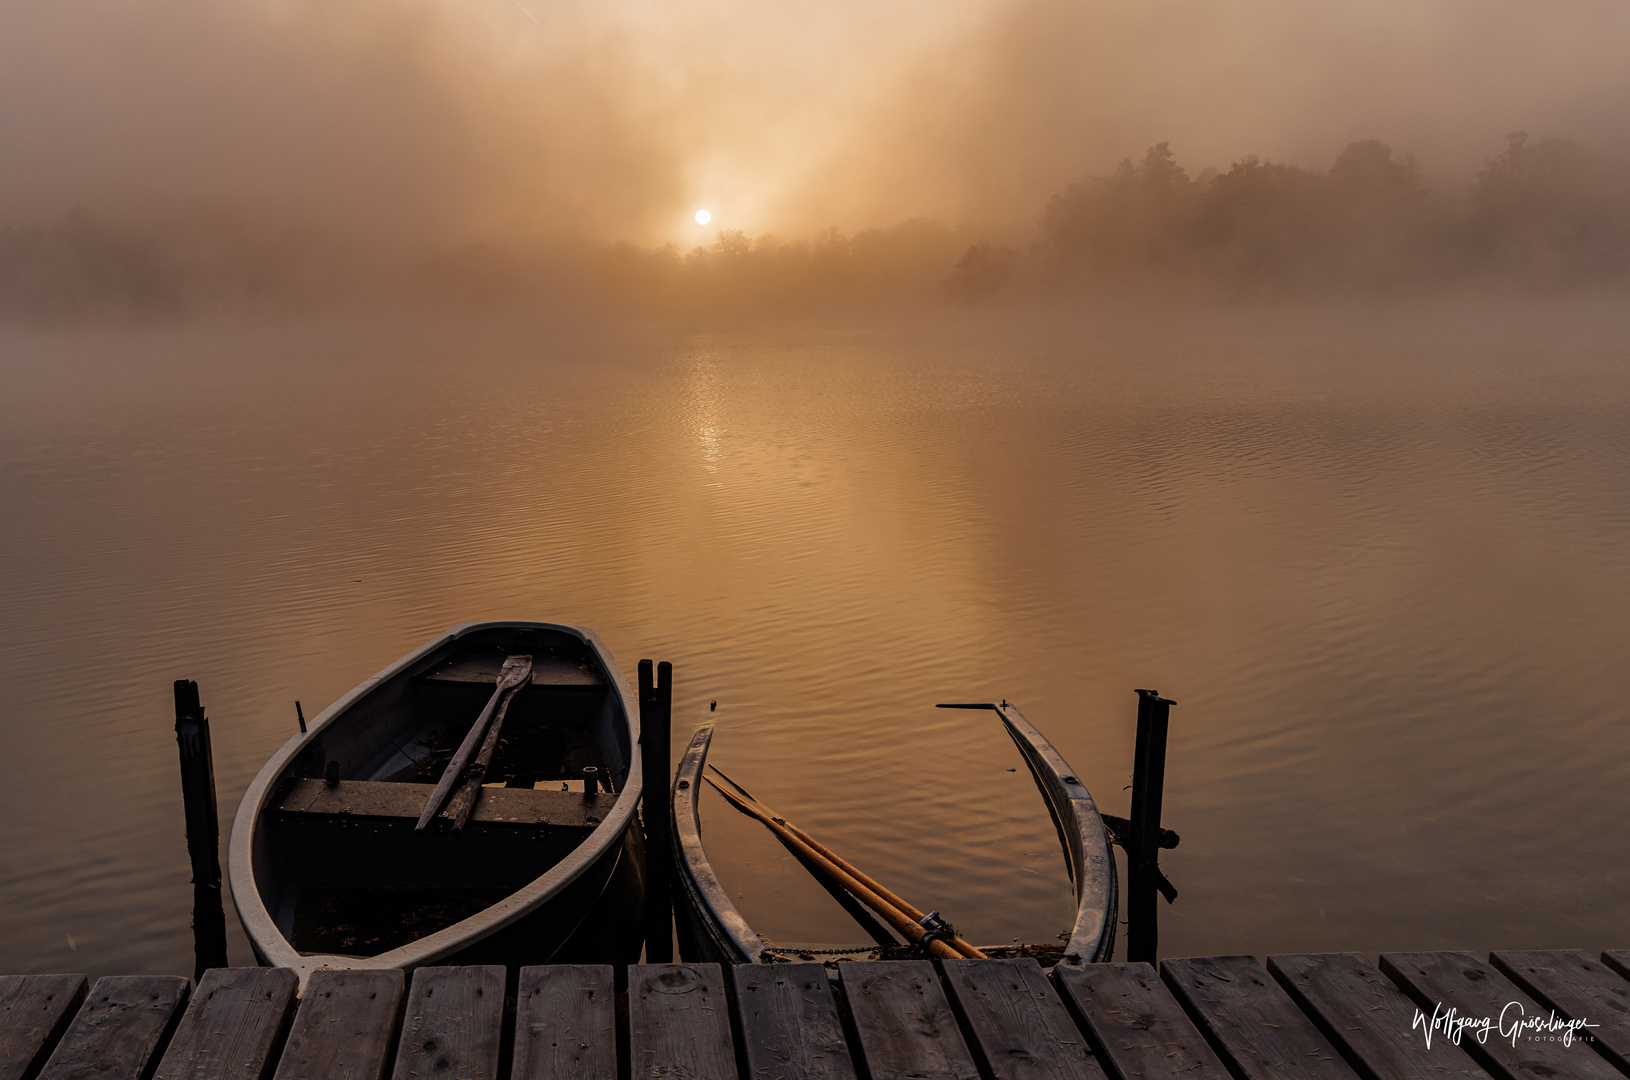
[566, 1024]
[453, 1024]
[232, 1027]
[34, 1012]
[1618, 960]
[1250, 1021]
[548, 669]
[1018, 1027]
[789, 1023]
[345, 1027]
[375, 800]
[1367, 1017]
[1577, 988]
[125, 1021]
[903, 1022]
[1459, 981]
[1136, 1025]
[679, 1023]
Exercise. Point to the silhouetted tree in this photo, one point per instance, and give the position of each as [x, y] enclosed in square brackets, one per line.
[1134, 223]
[1258, 223]
[1550, 214]
[980, 274]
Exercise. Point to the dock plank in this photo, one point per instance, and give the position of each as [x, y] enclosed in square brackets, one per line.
[789, 1023]
[232, 1026]
[34, 1012]
[1618, 960]
[1368, 1018]
[1577, 987]
[1019, 1028]
[566, 1023]
[1136, 1025]
[679, 1023]
[453, 1024]
[903, 1023]
[116, 1035]
[345, 1027]
[1250, 1021]
[1460, 981]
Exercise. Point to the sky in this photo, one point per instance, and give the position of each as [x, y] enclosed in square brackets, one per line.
[452, 122]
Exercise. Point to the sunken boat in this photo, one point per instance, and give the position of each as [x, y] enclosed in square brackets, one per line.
[474, 802]
[710, 928]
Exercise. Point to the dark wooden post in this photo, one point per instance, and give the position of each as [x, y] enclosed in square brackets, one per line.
[203, 828]
[656, 734]
[1143, 847]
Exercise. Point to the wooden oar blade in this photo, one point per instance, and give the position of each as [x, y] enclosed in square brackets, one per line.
[515, 673]
[732, 783]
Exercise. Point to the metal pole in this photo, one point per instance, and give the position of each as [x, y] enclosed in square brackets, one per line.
[203, 828]
[656, 726]
[1143, 851]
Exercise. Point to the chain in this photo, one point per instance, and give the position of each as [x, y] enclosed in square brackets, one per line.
[782, 954]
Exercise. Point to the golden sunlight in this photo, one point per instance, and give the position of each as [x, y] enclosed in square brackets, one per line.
[703, 217]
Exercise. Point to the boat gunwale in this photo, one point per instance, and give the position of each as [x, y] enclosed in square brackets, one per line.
[727, 931]
[1081, 833]
[273, 949]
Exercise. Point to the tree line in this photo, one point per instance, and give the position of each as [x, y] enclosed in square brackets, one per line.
[1544, 215]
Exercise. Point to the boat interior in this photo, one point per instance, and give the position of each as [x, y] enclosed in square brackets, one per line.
[340, 864]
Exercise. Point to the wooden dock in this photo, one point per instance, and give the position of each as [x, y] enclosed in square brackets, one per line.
[1331, 1016]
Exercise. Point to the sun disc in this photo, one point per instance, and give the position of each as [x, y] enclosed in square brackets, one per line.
[703, 217]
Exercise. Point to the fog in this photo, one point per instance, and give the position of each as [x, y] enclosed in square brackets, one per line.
[181, 156]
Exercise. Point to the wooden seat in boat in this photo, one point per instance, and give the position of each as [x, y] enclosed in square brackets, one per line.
[372, 799]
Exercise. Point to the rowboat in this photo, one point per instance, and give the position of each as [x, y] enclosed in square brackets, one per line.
[474, 802]
[710, 928]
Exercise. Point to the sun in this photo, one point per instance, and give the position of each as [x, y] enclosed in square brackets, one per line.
[703, 217]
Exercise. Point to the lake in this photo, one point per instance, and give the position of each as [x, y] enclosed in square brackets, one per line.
[1377, 556]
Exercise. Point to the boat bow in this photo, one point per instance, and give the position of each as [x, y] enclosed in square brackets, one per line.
[1081, 832]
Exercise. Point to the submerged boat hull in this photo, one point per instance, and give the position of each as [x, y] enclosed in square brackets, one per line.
[328, 869]
[711, 929]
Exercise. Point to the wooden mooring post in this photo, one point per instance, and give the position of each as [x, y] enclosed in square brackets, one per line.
[203, 828]
[656, 744]
[1147, 837]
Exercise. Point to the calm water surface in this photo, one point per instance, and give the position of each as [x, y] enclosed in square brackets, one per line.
[1379, 560]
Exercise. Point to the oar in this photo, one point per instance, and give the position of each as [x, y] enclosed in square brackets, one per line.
[462, 804]
[917, 916]
[909, 929]
[516, 673]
